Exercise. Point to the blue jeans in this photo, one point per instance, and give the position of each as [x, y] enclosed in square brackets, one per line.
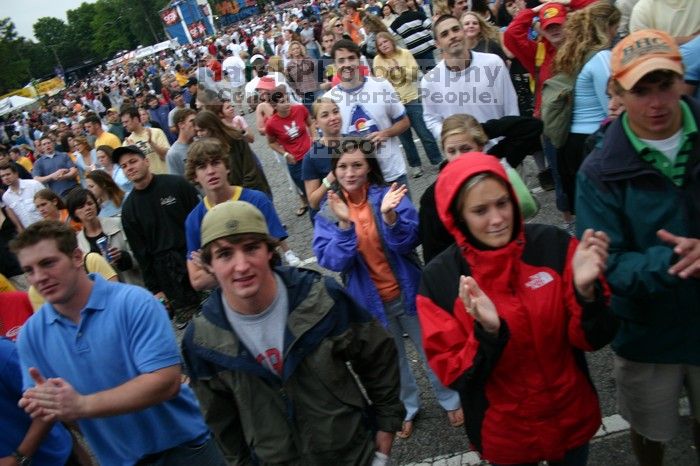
[295, 172]
[575, 457]
[414, 110]
[400, 323]
[550, 153]
[206, 454]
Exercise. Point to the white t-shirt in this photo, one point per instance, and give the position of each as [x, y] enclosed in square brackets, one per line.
[669, 146]
[483, 90]
[372, 107]
[235, 67]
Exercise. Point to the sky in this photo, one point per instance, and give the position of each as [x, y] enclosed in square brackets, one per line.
[24, 13]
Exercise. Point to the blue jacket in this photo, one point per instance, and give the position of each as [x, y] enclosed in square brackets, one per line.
[336, 250]
[621, 194]
[160, 115]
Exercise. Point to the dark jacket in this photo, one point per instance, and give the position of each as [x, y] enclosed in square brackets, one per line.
[528, 385]
[630, 200]
[315, 414]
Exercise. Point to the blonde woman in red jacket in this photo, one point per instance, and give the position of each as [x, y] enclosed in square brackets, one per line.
[506, 314]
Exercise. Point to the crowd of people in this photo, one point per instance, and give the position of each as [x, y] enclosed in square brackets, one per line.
[134, 206]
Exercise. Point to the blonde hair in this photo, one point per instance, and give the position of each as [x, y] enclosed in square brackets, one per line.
[587, 30]
[486, 31]
[301, 46]
[460, 124]
[440, 7]
[373, 23]
[316, 106]
[274, 63]
[388, 36]
[82, 140]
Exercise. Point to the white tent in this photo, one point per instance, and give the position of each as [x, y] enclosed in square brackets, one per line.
[14, 102]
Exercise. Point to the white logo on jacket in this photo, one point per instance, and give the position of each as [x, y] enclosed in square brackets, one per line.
[538, 280]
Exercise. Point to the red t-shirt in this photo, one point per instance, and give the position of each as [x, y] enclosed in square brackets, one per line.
[291, 132]
[15, 309]
[215, 68]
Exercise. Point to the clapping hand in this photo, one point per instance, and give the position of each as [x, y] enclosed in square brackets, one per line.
[339, 208]
[479, 305]
[391, 200]
[589, 261]
[52, 399]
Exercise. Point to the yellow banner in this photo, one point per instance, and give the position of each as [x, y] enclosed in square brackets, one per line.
[50, 86]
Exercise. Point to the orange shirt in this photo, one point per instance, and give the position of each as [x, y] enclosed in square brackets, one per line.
[370, 247]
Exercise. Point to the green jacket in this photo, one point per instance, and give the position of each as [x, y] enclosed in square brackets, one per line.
[316, 413]
[628, 198]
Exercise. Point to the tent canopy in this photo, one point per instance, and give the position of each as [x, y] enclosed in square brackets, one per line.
[14, 102]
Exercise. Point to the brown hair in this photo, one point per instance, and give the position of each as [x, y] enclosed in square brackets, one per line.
[587, 30]
[65, 238]
[107, 184]
[48, 195]
[210, 121]
[201, 152]
[271, 243]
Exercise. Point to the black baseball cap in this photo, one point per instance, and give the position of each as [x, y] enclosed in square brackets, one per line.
[119, 151]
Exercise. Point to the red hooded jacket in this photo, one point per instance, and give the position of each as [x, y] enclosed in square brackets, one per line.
[517, 40]
[526, 392]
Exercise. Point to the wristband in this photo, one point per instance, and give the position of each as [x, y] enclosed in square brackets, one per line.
[326, 183]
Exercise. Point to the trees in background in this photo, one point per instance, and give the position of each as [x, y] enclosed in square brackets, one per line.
[94, 31]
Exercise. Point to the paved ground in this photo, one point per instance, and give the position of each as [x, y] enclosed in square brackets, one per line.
[434, 441]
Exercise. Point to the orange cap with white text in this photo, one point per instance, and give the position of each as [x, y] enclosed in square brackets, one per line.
[642, 52]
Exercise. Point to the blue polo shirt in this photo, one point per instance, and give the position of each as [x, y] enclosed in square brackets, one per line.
[14, 422]
[123, 332]
[193, 223]
[47, 165]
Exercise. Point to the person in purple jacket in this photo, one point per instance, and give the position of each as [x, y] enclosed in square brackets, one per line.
[368, 231]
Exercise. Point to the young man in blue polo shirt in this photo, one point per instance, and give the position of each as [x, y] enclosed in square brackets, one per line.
[208, 166]
[104, 354]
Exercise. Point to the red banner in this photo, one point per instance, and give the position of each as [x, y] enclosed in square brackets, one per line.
[197, 30]
[170, 16]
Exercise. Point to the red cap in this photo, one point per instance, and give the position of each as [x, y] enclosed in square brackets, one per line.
[552, 13]
[266, 83]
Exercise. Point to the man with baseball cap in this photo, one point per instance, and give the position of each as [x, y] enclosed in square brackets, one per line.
[153, 217]
[642, 187]
[270, 356]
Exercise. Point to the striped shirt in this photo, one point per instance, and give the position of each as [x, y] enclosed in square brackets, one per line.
[672, 169]
[414, 28]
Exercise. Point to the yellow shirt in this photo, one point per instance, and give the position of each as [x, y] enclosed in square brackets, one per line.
[108, 139]
[401, 70]
[5, 284]
[158, 165]
[26, 163]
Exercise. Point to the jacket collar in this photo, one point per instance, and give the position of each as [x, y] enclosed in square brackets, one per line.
[307, 323]
[618, 158]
